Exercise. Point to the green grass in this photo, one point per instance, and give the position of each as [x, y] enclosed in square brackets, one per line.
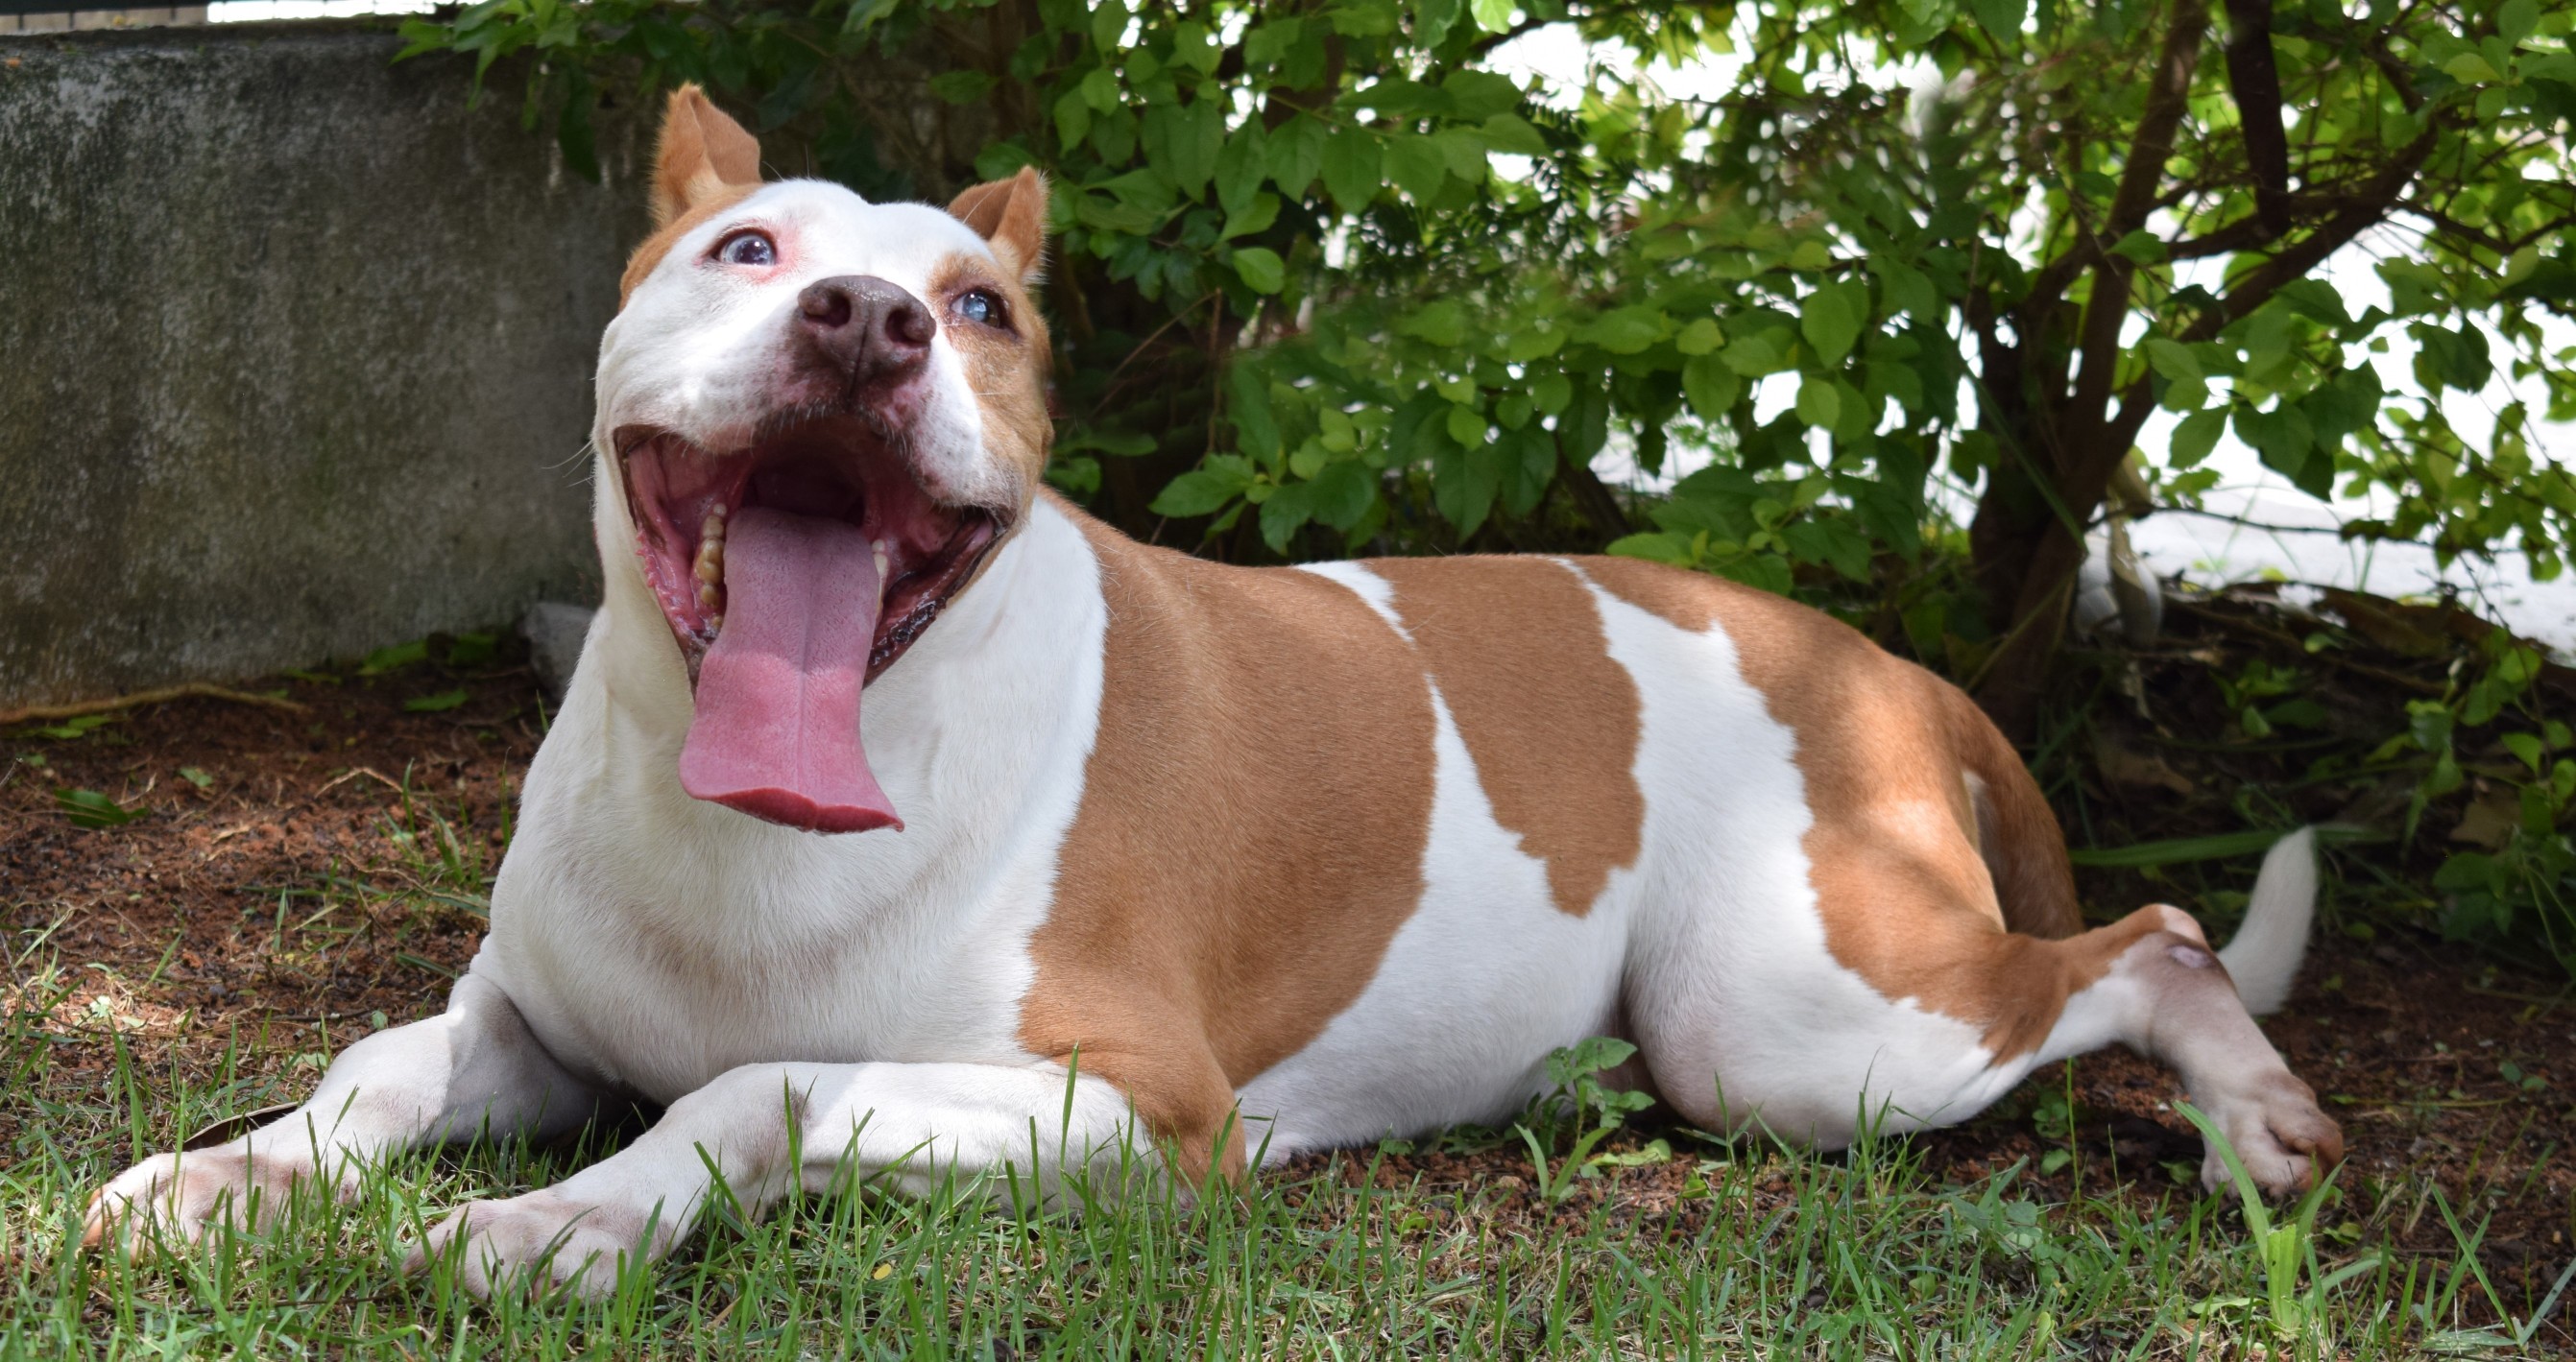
[1766, 1252]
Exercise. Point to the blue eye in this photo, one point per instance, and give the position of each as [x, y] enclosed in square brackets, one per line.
[747, 248]
[978, 306]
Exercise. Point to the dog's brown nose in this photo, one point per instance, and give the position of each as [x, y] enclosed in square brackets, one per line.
[872, 329]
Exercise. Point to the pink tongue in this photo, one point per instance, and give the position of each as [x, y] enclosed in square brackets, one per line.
[777, 727]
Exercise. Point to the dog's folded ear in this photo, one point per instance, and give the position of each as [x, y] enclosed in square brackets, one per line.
[1011, 214]
[703, 153]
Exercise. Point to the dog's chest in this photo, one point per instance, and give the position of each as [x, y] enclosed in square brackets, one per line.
[661, 992]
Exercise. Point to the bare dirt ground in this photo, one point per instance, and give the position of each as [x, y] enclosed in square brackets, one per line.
[291, 876]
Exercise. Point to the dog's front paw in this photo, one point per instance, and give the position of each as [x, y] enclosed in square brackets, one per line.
[2282, 1138]
[543, 1237]
[182, 1197]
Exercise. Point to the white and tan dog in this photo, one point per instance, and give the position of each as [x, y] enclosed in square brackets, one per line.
[1135, 851]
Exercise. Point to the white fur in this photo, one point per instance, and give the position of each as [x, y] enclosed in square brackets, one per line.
[2264, 958]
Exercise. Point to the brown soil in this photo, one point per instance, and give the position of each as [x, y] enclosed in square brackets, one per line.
[173, 926]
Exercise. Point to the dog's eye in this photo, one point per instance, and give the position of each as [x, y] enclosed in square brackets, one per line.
[747, 248]
[979, 306]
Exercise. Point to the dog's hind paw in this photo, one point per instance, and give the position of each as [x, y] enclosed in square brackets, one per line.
[542, 1238]
[2280, 1135]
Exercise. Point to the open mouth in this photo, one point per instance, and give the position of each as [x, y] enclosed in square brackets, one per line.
[793, 572]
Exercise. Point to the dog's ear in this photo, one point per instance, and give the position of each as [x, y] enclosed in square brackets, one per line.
[1011, 214]
[702, 154]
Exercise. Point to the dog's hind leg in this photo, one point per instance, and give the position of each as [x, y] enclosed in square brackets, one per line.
[1986, 1008]
[764, 1128]
[2165, 994]
[473, 1068]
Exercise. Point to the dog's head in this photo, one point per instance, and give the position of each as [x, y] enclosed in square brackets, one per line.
[825, 415]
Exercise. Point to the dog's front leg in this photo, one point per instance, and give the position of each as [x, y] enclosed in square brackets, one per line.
[474, 1067]
[765, 1127]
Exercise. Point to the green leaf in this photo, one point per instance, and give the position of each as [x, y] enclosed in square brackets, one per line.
[2002, 18]
[2195, 436]
[1285, 512]
[197, 776]
[1479, 95]
[1416, 165]
[1464, 151]
[2141, 246]
[1713, 389]
[1344, 491]
[1756, 354]
[2517, 19]
[1511, 133]
[1909, 290]
[1550, 394]
[1198, 492]
[1818, 404]
[1297, 154]
[1189, 137]
[71, 728]
[1256, 428]
[1100, 90]
[1108, 24]
[2527, 748]
[2172, 358]
[1443, 323]
[433, 704]
[1351, 168]
[1253, 217]
[1700, 337]
[1126, 444]
[1261, 269]
[394, 658]
[1464, 483]
[1830, 319]
[1466, 426]
[1529, 463]
[1626, 330]
[2183, 851]
[1493, 16]
[92, 810]
[1240, 167]
[2469, 68]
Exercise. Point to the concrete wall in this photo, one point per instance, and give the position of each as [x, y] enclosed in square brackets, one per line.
[295, 352]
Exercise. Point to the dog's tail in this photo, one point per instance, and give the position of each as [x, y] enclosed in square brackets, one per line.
[2265, 955]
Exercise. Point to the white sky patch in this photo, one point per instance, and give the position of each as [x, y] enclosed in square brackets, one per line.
[252, 11]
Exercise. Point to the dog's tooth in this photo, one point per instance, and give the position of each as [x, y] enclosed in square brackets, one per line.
[710, 564]
[877, 548]
[708, 600]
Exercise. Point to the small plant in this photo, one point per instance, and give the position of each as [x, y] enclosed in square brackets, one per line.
[2287, 1246]
[1579, 1105]
[92, 810]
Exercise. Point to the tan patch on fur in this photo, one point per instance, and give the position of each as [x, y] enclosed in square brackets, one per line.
[700, 154]
[648, 256]
[1517, 648]
[1251, 835]
[1006, 367]
[1011, 214]
[1907, 900]
[704, 164]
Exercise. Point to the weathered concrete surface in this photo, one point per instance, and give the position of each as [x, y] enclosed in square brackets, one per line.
[295, 352]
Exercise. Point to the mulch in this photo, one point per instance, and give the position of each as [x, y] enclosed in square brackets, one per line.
[210, 917]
